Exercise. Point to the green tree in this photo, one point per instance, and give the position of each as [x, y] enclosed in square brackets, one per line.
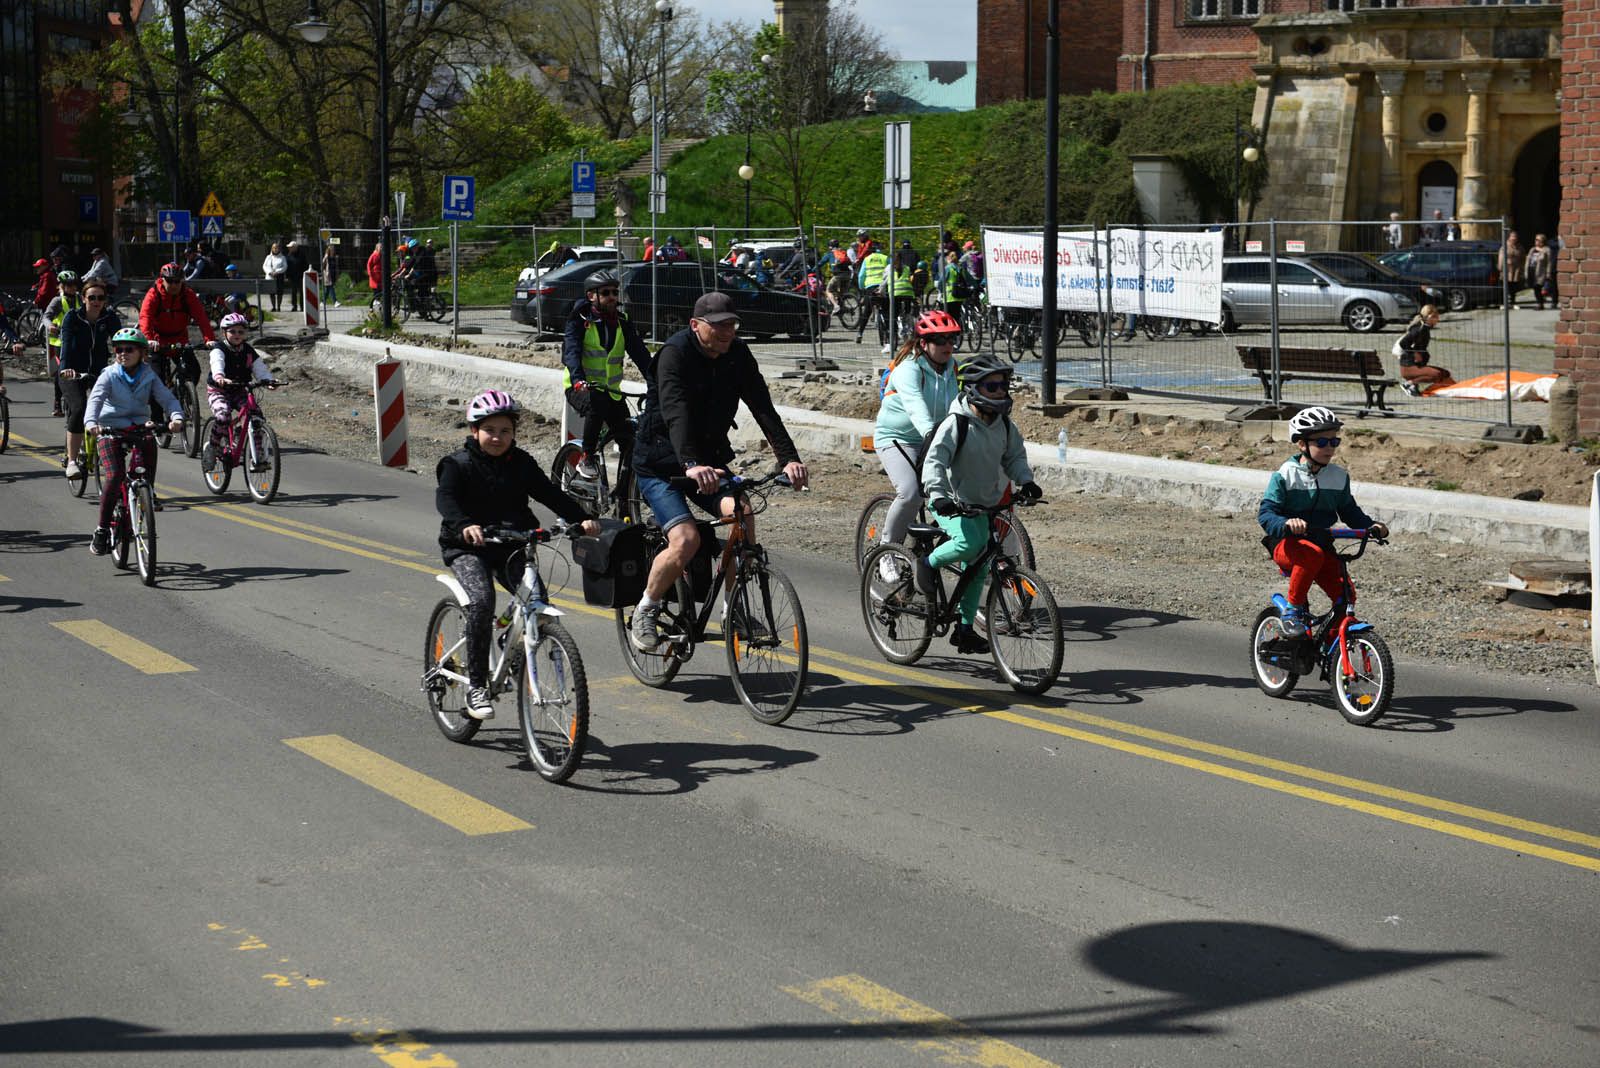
[501, 122]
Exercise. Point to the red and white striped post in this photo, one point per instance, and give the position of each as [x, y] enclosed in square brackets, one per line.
[389, 390]
[313, 297]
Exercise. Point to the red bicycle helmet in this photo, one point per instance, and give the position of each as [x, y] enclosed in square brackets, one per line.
[936, 322]
[172, 272]
[40, 263]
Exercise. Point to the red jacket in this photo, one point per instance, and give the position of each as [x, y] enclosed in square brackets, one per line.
[375, 268]
[164, 318]
[45, 290]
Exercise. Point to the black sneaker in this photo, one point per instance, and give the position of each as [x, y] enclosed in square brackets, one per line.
[100, 544]
[927, 582]
[967, 640]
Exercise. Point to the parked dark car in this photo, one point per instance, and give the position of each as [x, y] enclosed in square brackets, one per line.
[763, 312]
[1468, 271]
[550, 300]
[595, 256]
[1368, 272]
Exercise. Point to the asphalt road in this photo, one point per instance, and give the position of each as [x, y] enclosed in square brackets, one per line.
[1153, 865]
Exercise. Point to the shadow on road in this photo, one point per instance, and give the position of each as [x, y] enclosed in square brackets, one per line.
[29, 604]
[1196, 968]
[198, 577]
[31, 473]
[34, 541]
[1434, 714]
[1103, 623]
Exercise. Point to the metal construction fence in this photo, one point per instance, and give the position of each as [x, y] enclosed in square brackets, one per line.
[1305, 312]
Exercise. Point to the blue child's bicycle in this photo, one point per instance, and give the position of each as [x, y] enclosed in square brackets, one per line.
[1352, 658]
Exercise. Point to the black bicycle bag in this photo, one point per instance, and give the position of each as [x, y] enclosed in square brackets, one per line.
[614, 564]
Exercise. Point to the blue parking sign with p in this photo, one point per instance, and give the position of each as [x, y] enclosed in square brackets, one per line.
[458, 196]
[583, 177]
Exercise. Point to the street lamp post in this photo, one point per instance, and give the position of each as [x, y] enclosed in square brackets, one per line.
[658, 178]
[314, 30]
[748, 172]
[1250, 154]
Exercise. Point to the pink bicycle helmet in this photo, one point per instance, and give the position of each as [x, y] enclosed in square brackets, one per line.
[233, 319]
[492, 402]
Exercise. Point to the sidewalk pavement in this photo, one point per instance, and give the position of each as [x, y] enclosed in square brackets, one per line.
[1467, 519]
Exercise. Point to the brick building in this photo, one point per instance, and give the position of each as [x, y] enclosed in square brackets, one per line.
[1011, 48]
[1578, 336]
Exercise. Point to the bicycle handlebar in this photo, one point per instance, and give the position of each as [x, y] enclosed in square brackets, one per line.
[971, 511]
[558, 527]
[729, 481]
[1352, 533]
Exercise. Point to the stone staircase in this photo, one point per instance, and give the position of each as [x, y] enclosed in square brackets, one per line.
[561, 214]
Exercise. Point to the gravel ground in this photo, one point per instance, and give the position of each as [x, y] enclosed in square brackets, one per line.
[1427, 597]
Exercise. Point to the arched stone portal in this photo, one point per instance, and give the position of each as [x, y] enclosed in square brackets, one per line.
[1536, 186]
[1437, 174]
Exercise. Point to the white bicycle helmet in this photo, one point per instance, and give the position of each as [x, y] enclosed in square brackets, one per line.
[1309, 421]
[492, 402]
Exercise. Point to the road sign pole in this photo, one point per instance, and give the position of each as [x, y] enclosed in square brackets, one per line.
[455, 282]
[583, 233]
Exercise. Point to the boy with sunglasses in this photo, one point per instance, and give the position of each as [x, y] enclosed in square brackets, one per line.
[599, 339]
[1306, 496]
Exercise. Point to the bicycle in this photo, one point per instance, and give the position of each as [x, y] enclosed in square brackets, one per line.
[89, 467]
[256, 450]
[178, 371]
[531, 650]
[869, 528]
[27, 320]
[599, 493]
[763, 626]
[1020, 615]
[1352, 658]
[5, 422]
[133, 519]
[220, 304]
[425, 303]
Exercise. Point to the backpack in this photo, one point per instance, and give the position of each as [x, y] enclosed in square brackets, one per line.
[961, 439]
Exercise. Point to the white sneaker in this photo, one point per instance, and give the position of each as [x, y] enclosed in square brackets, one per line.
[74, 469]
[889, 568]
[884, 349]
[478, 704]
[588, 469]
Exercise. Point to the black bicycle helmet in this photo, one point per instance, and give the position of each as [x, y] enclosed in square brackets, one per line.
[976, 370]
[599, 280]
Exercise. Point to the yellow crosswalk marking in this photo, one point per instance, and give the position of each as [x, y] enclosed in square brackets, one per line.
[427, 795]
[863, 1002]
[126, 648]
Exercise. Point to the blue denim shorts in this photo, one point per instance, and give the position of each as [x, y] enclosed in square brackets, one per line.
[671, 507]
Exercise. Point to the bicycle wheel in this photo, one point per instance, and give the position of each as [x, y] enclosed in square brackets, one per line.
[91, 465]
[764, 635]
[1364, 694]
[899, 616]
[1017, 544]
[142, 527]
[5, 422]
[120, 539]
[564, 473]
[657, 668]
[553, 704]
[869, 528]
[127, 310]
[1091, 327]
[30, 326]
[850, 311]
[189, 403]
[444, 671]
[434, 308]
[76, 486]
[263, 466]
[1271, 652]
[1024, 629]
[217, 478]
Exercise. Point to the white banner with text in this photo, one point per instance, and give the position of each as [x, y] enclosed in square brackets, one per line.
[1147, 272]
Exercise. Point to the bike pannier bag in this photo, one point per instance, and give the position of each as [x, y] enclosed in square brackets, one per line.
[614, 564]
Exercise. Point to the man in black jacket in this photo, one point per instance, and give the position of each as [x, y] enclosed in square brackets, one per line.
[695, 386]
[298, 262]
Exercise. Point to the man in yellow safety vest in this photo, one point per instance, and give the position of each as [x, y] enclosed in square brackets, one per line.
[874, 302]
[599, 338]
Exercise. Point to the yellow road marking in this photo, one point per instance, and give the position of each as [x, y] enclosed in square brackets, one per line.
[4, 579]
[1315, 774]
[279, 519]
[427, 795]
[863, 1002]
[126, 648]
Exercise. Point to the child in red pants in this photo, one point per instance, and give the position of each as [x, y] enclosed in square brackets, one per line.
[1306, 496]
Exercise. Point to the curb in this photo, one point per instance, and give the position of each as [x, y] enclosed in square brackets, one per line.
[1459, 518]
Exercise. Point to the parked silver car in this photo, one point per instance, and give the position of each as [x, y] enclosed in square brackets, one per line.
[1306, 294]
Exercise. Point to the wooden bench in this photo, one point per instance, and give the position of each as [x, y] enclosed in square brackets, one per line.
[1321, 365]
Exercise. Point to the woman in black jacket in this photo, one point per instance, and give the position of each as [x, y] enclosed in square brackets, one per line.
[1418, 374]
[487, 483]
[85, 351]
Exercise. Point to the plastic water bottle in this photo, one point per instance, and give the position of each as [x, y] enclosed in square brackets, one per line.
[1061, 446]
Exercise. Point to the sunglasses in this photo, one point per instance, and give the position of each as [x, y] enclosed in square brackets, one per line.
[1000, 385]
[942, 339]
[605, 292]
[1325, 443]
[123, 350]
[726, 324]
[97, 300]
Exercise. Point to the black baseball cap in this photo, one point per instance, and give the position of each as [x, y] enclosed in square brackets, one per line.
[715, 307]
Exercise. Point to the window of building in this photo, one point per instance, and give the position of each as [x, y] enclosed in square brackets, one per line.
[1356, 5]
[1224, 9]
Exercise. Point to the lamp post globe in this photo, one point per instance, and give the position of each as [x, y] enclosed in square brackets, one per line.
[746, 171]
[1252, 154]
